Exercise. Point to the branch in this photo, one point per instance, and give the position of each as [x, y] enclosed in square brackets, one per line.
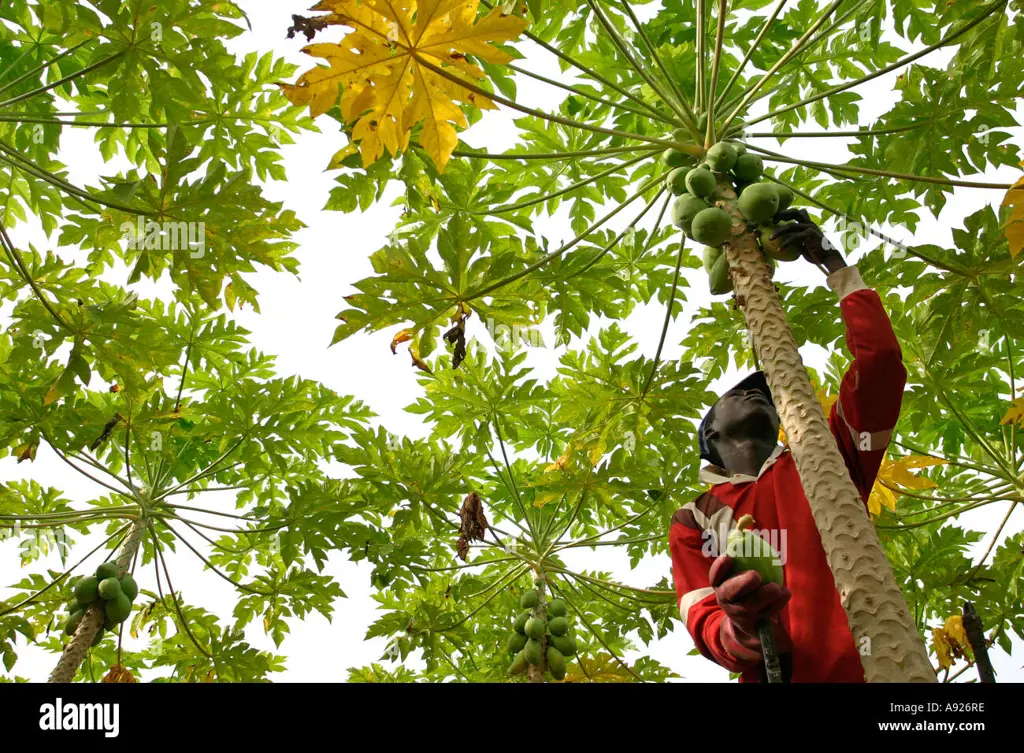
[753, 47]
[709, 136]
[553, 155]
[668, 318]
[60, 82]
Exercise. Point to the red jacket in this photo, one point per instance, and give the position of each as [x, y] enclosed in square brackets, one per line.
[863, 417]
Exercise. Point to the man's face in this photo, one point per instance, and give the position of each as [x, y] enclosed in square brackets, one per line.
[744, 414]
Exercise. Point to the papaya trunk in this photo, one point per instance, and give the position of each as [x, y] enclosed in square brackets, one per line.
[92, 622]
[536, 671]
[891, 648]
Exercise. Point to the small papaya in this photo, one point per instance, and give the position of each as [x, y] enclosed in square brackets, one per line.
[535, 628]
[106, 570]
[556, 608]
[684, 209]
[711, 226]
[681, 135]
[759, 202]
[521, 620]
[516, 642]
[129, 587]
[87, 590]
[558, 626]
[109, 588]
[518, 664]
[538, 583]
[556, 663]
[720, 282]
[711, 254]
[674, 158]
[740, 148]
[748, 167]
[786, 196]
[98, 637]
[751, 552]
[565, 644]
[72, 622]
[676, 181]
[118, 609]
[529, 599]
[534, 652]
[700, 182]
[721, 157]
[773, 248]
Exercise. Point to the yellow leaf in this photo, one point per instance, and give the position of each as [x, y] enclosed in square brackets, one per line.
[383, 67]
[559, 465]
[895, 473]
[404, 336]
[950, 642]
[602, 668]
[941, 649]
[1014, 226]
[229, 297]
[1015, 415]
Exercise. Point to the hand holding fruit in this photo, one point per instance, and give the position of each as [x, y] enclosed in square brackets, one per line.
[745, 599]
[805, 235]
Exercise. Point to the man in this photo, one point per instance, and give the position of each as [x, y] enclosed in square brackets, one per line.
[753, 474]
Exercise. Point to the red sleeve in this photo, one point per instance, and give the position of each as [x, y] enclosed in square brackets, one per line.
[698, 606]
[864, 416]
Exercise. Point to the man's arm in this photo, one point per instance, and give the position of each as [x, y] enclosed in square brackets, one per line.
[871, 392]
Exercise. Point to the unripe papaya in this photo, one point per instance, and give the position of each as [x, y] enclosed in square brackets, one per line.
[748, 167]
[72, 622]
[538, 583]
[521, 620]
[556, 663]
[786, 196]
[565, 644]
[676, 181]
[87, 590]
[530, 599]
[702, 122]
[516, 642]
[711, 254]
[741, 149]
[556, 608]
[99, 637]
[751, 552]
[711, 226]
[518, 664]
[674, 158]
[773, 248]
[684, 209]
[681, 135]
[700, 182]
[722, 157]
[759, 202]
[106, 570]
[118, 609]
[129, 587]
[534, 652]
[558, 626]
[109, 588]
[535, 628]
[721, 282]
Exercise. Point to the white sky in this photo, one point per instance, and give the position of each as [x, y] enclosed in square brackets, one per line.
[297, 323]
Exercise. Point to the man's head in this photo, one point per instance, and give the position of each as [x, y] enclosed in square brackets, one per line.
[743, 415]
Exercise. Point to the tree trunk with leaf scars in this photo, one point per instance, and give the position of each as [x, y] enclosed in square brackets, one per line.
[92, 622]
[892, 649]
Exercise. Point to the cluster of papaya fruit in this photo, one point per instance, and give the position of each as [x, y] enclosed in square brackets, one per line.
[541, 635]
[115, 593]
[693, 212]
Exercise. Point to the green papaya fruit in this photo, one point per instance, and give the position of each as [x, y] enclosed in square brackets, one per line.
[676, 181]
[109, 588]
[87, 590]
[556, 663]
[118, 609]
[711, 254]
[129, 587]
[106, 570]
[711, 226]
[759, 202]
[535, 628]
[721, 282]
[530, 599]
[556, 608]
[740, 148]
[534, 652]
[700, 182]
[72, 622]
[748, 167]
[558, 626]
[702, 122]
[521, 620]
[565, 644]
[773, 248]
[98, 638]
[751, 552]
[516, 642]
[674, 158]
[518, 664]
[786, 196]
[685, 208]
[538, 583]
[721, 157]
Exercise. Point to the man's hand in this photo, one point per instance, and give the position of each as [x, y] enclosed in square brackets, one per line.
[808, 237]
[745, 601]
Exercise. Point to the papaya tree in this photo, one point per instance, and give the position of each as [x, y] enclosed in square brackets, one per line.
[607, 446]
[189, 441]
